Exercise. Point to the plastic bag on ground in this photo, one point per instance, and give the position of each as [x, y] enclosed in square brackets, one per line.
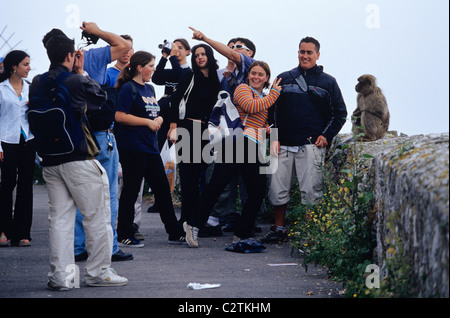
[246, 246]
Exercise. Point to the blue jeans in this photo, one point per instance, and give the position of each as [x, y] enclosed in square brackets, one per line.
[110, 161]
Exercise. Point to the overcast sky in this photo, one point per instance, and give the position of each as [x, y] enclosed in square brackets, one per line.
[405, 44]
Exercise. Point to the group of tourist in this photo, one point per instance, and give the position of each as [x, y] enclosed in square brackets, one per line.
[303, 107]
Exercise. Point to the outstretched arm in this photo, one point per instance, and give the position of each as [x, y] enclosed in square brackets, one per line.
[223, 49]
[119, 46]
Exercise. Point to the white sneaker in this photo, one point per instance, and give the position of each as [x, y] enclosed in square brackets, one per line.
[191, 235]
[109, 279]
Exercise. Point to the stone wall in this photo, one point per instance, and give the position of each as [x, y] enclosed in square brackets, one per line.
[410, 180]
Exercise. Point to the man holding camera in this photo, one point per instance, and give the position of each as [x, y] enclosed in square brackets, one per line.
[96, 60]
[177, 53]
[93, 63]
[76, 179]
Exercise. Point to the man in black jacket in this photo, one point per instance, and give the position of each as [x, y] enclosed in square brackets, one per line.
[77, 179]
[308, 114]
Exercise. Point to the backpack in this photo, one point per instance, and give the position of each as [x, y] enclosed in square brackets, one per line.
[51, 118]
[103, 118]
[224, 120]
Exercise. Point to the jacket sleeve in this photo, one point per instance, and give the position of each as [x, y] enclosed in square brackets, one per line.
[339, 113]
[178, 95]
[163, 75]
[158, 77]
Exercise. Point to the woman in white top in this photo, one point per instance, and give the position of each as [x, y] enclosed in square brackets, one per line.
[17, 152]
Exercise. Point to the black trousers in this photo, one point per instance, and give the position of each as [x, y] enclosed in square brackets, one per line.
[17, 169]
[192, 170]
[191, 182]
[137, 165]
[255, 183]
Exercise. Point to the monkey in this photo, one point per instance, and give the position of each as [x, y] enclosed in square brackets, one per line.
[371, 116]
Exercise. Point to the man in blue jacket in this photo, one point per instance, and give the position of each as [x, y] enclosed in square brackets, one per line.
[309, 113]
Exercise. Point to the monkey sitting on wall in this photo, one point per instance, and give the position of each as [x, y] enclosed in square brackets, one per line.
[371, 116]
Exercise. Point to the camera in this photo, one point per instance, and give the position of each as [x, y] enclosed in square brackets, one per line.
[90, 38]
[166, 47]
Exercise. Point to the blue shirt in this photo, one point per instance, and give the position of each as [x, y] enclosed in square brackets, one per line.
[95, 63]
[112, 74]
[238, 76]
[137, 138]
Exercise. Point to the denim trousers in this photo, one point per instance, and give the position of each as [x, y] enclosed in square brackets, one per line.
[109, 159]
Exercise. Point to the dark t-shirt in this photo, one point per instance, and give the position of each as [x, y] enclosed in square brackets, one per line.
[144, 105]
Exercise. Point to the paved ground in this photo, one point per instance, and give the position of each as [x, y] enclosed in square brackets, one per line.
[160, 270]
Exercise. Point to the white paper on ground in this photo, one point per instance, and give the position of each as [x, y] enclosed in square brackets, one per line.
[197, 286]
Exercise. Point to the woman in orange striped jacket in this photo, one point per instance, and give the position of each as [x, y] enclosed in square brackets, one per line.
[253, 109]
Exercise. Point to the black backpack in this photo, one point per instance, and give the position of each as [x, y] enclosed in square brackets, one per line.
[102, 118]
[57, 132]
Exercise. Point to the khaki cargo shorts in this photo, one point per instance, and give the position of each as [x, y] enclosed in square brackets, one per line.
[307, 165]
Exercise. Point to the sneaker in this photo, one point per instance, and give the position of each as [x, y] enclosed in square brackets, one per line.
[21, 243]
[191, 235]
[274, 237]
[108, 279]
[121, 256]
[210, 231]
[3, 240]
[24, 242]
[56, 288]
[130, 242]
[177, 241]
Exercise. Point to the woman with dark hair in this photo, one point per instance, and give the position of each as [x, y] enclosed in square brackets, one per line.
[17, 152]
[252, 106]
[138, 122]
[200, 100]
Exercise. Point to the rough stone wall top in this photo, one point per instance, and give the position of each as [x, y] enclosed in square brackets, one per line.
[410, 180]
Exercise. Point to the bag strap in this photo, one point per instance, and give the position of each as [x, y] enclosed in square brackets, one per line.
[134, 90]
[301, 82]
[189, 89]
